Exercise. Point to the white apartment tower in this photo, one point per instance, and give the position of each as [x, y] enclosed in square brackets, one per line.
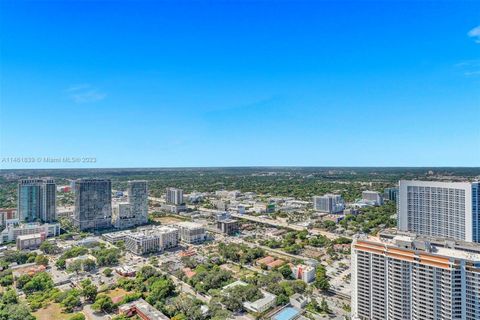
[409, 279]
[329, 203]
[440, 209]
[174, 196]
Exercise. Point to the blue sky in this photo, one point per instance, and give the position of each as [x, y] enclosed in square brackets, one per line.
[240, 83]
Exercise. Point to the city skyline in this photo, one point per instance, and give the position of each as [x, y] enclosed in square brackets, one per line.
[197, 84]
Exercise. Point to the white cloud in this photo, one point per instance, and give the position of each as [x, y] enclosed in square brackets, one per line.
[475, 34]
[469, 68]
[85, 93]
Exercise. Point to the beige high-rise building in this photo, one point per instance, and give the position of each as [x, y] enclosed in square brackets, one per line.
[409, 278]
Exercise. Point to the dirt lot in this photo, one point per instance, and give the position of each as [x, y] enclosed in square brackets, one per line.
[53, 311]
[168, 220]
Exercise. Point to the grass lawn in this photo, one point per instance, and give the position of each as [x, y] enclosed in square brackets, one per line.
[52, 311]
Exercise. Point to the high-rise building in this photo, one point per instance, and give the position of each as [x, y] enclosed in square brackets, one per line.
[228, 226]
[390, 194]
[93, 204]
[174, 196]
[440, 209]
[138, 199]
[373, 197]
[37, 200]
[409, 278]
[329, 203]
[135, 211]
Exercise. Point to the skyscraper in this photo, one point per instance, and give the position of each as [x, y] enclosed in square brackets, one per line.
[49, 201]
[174, 196]
[330, 203]
[37, 200]
[390, 194]
[440, 209]
[138, 199]
[135, 212]
[93, 204]
[409, 278]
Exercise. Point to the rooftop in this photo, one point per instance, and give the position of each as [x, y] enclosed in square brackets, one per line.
[258, 304]
[145, 308]
[29, 236]
[189, 225]
[428, 245]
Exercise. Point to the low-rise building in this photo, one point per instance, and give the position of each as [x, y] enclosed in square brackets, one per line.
[11, 232]
[262, 304]
[191, 232]
[173, 208]
[125, 271]
[30, 241]
[189, 273]
[265, 260]
[298, 301]
[275, 264]
[28, 268]
[142, 309]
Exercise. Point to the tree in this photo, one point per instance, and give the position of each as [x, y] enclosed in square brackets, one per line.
[88, 265]
[49, 247]
[39, 282]
[89, 290]
[23, 280]
[146, 272]
[107, 257]
[16, 312]
[75, 266]
[77, 316]
[234, 297]
[71, 301]
[159, 290]
[281, 299]
[107, 272]
[286, 271]
[9, 297]
[321, 280]
[41, 260]
[324, 306]
[6, 280]
[103, 303]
